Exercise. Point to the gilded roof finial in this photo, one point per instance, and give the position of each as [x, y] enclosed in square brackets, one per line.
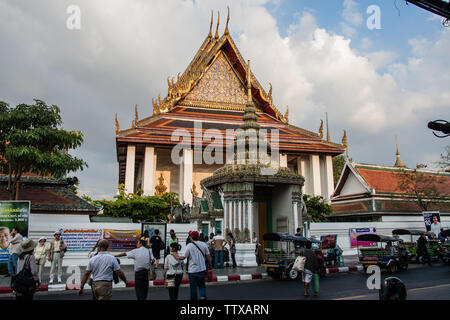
[216, 36]
[270, 92]
[117, 124]
[344, 143]
[194, 190]
[328, 129]
[321, 129]
[136, 115]
[228, 20]
[132, 124]
[398, 162]
[210, 26]
[286, 115]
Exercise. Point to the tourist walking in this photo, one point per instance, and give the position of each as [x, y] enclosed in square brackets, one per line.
[102, 266]
[310, 269]
[173, 239]
[27, 274]
[218, 243]
[232, 245]
[142, 258]
[40, 254]
[422, 250]
[196, 253]
[55, 255]
[14, 250]
[173, 271]
[146, 237]
[255, 240]
[157, 245]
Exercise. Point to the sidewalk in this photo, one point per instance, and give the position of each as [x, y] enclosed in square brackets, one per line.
[219, 275]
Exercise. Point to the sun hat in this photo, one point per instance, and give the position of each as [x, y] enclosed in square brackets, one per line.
[42, 238]
[57, 232]
[28, 245]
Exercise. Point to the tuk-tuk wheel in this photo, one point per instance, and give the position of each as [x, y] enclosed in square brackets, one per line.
[292, 274]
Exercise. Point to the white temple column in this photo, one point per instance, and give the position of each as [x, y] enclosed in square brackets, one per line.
[250, 219]
[240, 216]
[283, 160]
[295, 207]
[149, 171]
[225, 206]
[186, 172]
[315, 173]
[130, 169]
[329, 175]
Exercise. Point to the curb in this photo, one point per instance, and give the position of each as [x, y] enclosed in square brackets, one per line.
[160, 283]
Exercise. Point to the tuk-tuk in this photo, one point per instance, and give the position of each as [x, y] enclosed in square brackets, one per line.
[280, 255]
[411, 246]
[444, 247]
[385, 254]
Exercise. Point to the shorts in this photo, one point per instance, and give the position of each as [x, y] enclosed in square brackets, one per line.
[307, 276]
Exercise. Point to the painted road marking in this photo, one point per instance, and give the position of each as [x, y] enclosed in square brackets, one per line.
[414, 289]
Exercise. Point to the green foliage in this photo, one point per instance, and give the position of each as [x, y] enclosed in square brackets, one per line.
[338, 166]
[31, 140]
[318, 209]
[139, 207]
[444, 163]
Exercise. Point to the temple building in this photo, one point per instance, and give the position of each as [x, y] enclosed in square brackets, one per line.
[210, 98]
[367, 192]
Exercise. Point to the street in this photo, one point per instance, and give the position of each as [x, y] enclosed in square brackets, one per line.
[424, 283]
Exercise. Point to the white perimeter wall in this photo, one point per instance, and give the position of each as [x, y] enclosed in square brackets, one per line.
[385, 227]
[44, 225]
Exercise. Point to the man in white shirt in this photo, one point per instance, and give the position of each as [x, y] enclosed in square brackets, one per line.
[218, 243]
[142, 258]
[196, 253]
[436, 226]
[102, 267]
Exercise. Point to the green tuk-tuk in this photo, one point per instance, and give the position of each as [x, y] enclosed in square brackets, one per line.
[411, 245]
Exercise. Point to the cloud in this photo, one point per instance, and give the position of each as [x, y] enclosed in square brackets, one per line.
[125, 50]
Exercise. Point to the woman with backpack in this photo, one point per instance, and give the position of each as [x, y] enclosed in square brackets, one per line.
[26, 280]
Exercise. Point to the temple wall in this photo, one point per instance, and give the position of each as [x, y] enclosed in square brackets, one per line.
[282, 212]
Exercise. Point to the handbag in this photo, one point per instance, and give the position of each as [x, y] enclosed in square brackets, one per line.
[24, 282]
[299, 264]
[170, 283]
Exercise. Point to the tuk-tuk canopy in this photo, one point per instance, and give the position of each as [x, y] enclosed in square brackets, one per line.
[273, 236]
[445, 233]
[375, 238]
[409, 232]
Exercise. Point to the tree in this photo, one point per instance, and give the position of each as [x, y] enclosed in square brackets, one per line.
[422, 187]
[318, 209]
[444, 163]
[338, 166]
[139, 207]
[32, 140]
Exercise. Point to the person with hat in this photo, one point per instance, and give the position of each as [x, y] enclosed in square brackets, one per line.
[196, 253]
[40, 254]
[28, 261]
[55, 255]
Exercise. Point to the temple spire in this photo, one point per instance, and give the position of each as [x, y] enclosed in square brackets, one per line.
[249, 84]
[136, 114]
[117, 124]
[228, 20]
[328, 129]
[216, 36]
[399, 162]
[345, 144]
[210, 26]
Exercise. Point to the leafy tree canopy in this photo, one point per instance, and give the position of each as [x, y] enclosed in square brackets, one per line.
[338, 166]
[318, 209]
[139, 207]
[32, 140]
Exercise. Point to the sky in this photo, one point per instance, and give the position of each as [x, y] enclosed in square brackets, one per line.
[380, 84]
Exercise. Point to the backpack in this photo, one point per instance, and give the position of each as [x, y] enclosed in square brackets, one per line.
[23, 282]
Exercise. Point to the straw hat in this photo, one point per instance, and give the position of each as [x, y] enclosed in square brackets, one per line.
[28, 245]
[42, 238]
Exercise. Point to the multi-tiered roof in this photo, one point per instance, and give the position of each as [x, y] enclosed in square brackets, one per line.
[213, 90]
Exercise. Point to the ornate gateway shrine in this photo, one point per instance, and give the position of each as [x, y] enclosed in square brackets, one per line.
[212, 94]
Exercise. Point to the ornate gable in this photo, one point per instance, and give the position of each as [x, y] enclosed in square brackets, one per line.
[219, 86]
